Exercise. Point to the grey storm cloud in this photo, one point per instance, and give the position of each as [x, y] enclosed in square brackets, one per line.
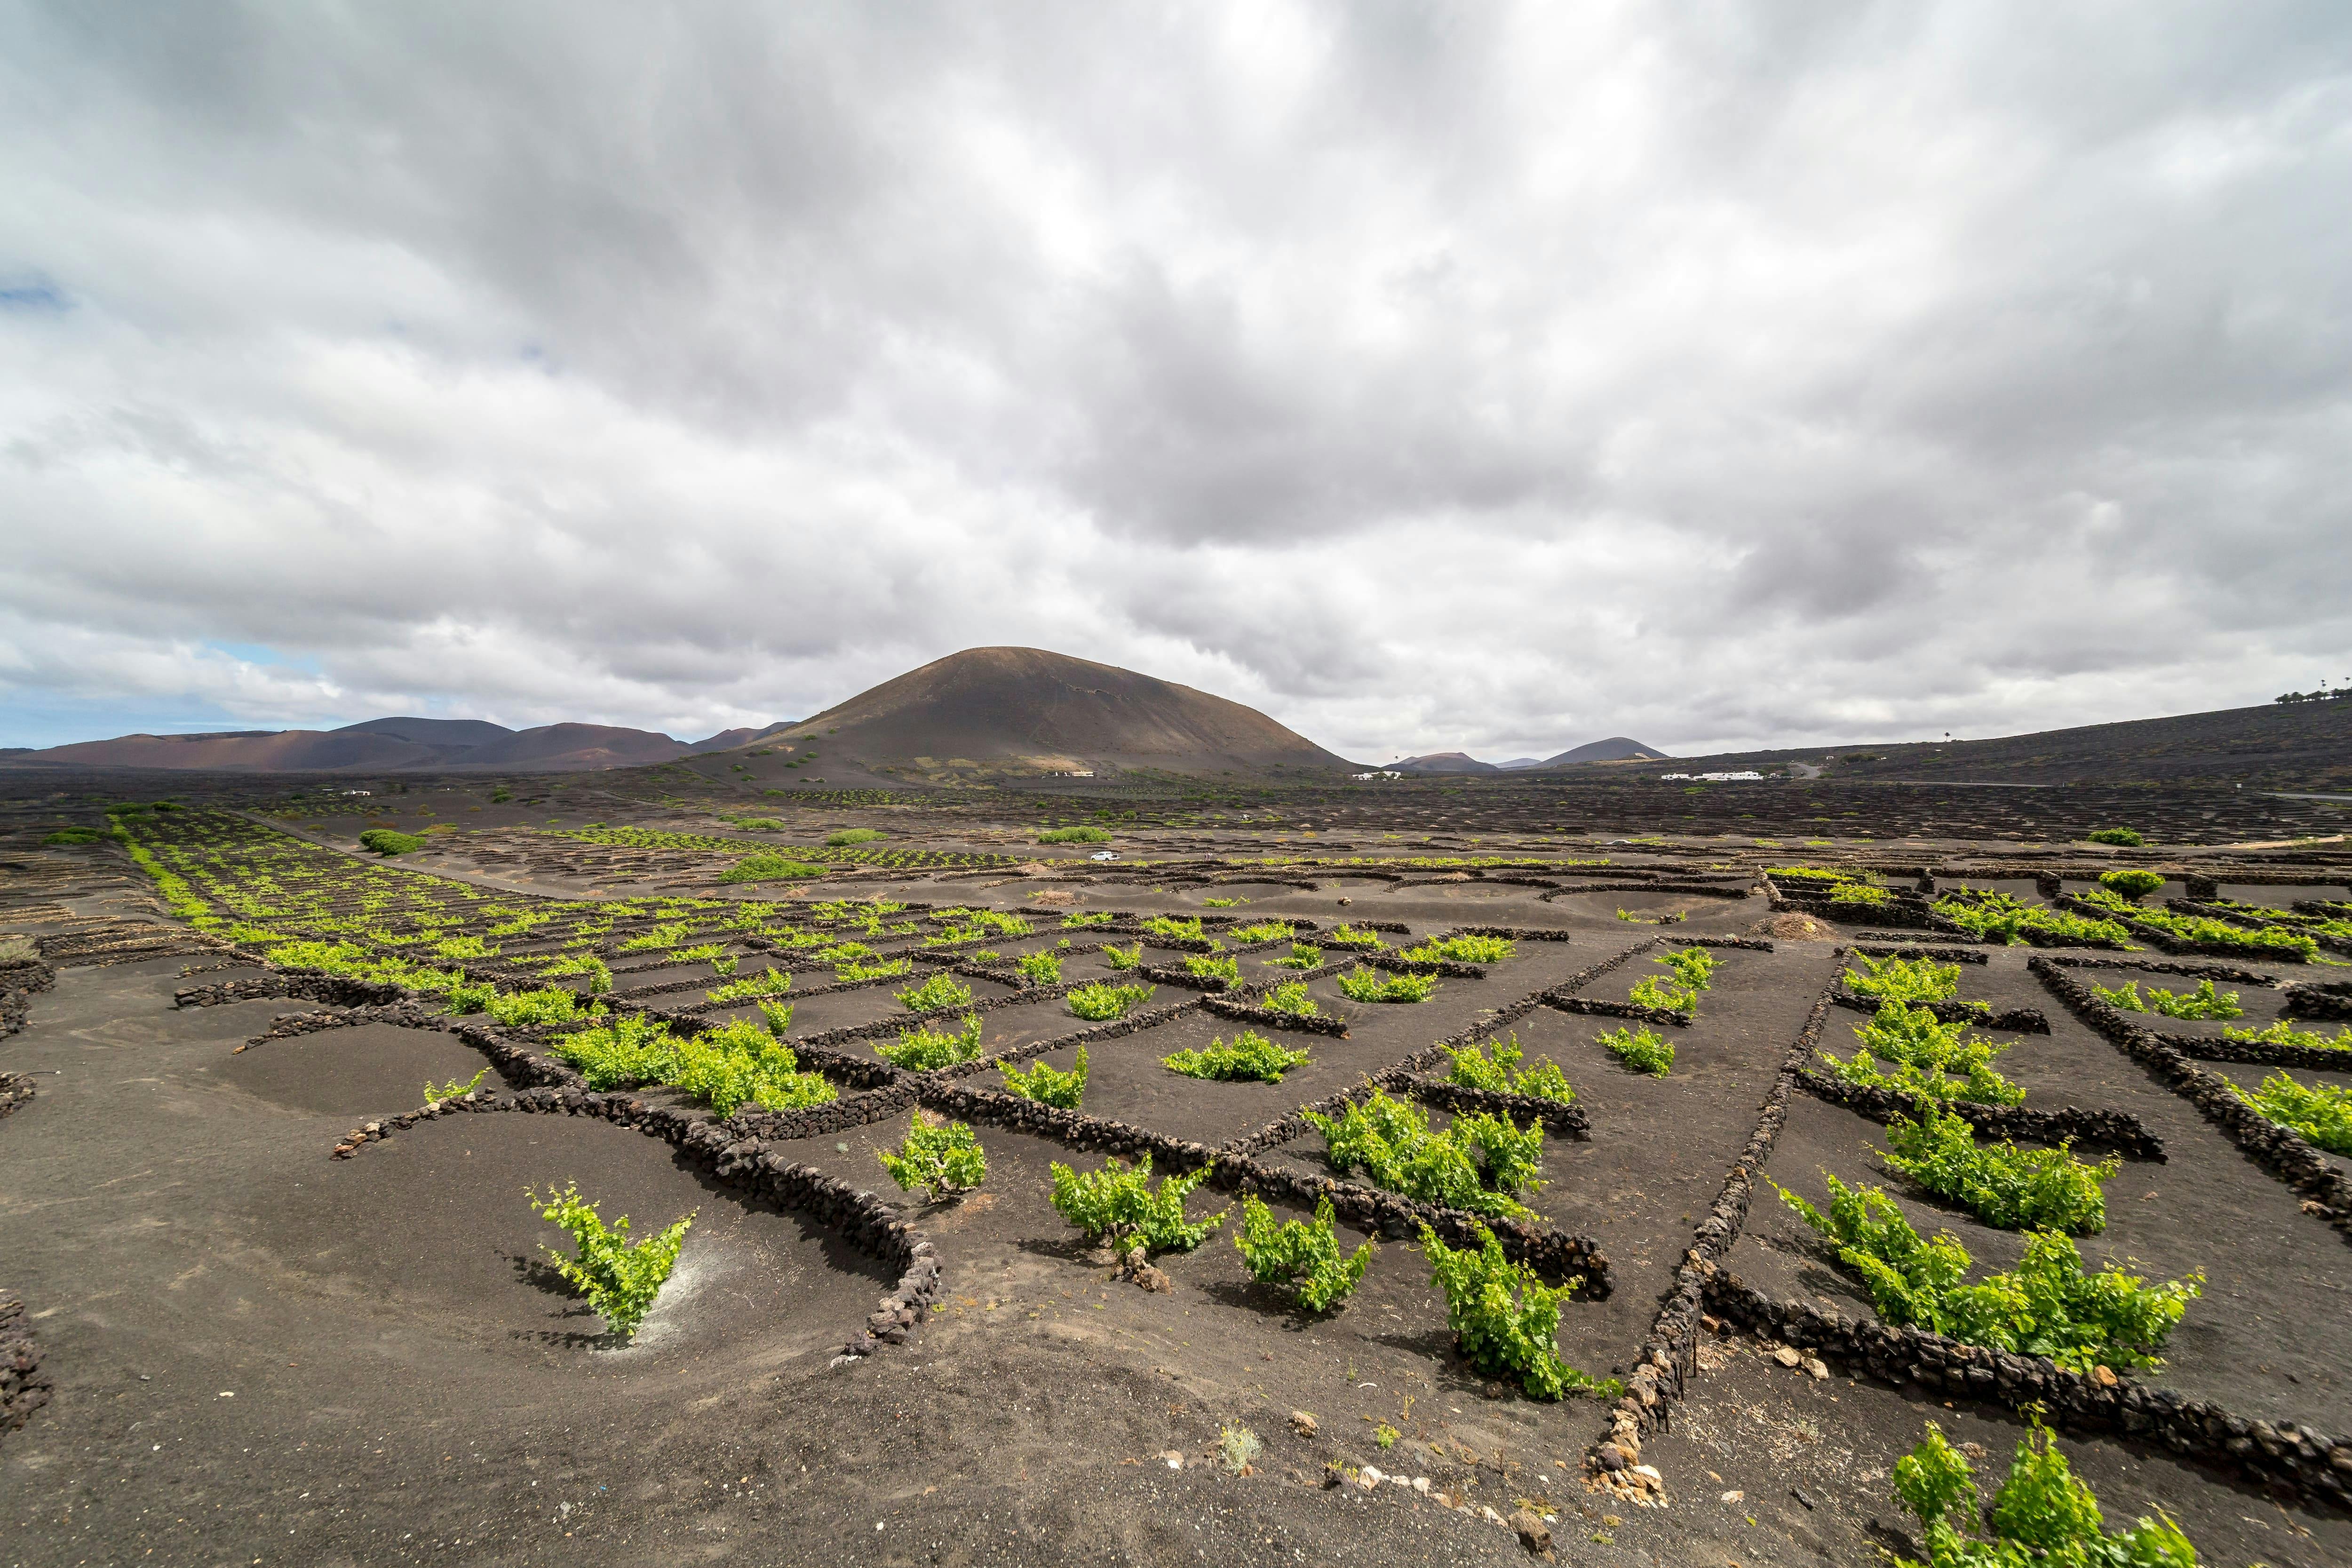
[1495, 377]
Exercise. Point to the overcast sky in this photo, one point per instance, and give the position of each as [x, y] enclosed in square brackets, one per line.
[1469, 377]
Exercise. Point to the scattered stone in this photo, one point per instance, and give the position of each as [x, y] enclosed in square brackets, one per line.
[1788, 1356]
[1302, 1422]
[2105, 1376]
[1534, 1533]
[1816, 1367]
[1732, 1496]
[1804, 1496]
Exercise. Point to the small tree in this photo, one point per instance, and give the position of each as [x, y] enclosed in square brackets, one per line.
[620, 1278]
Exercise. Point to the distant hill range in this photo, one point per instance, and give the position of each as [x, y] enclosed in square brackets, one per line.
[1023, 710]
[2292, 746]
[1616, 749]
[390, 746]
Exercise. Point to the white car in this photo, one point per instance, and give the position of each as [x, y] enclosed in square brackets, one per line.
[1103, 855]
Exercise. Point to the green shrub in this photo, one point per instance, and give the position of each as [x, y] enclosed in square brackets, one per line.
[1224, 903]
[1666, 995]
[1046, 1086]
[465, 999]
[391, 841]
[741, 1063]
[1122, 958]
[1506, 1320]
[2041, 1515]
[2132, 885]
[1301, 1256]
[2284, 1033]
[2274, 940]
[1361, 984]
[2201, 1003]
[1292, 999]
[526, 1009]
[1859, 895]
[1170, 928]
[1040, 968]
[712, 951]
[1908, 1050]
[768, 865]
[1640, 1049]
[855, 971]
[926, 1049]
[751, 987]
[2046, 1306]
[1997, 917]
[73, 836]
[1118, 1205]
[2126, 837]
[1302, 956]
[1671, 918]
[628, 1048]
[1264, 930]
[1249, 1056]
[665, 935]
[500, 795]
[1463, 950]
[1074, 835]
[1694, 967]
[938, 1159]
[1479, 1163]
[2321, 1113]
[620, 1278]
[1503, 1073]
[1091, 918]
[453, 1088]
[1349, 936]
[849, 836]
[1099, 1003]
[1902, 979]
[2006, 1187]
[778, 1015]
[1213, 966]
[941, 992]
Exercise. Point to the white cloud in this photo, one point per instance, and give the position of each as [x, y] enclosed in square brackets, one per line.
[1431, 378]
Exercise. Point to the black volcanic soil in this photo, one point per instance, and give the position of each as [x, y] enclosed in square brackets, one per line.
[262, 1355]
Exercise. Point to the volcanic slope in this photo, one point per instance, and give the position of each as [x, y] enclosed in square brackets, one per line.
[1024, 709]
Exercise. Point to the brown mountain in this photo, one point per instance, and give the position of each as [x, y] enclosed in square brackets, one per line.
[1444, 762]
[381, 745]
[1024, 709]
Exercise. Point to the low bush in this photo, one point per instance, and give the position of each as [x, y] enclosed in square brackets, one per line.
[1361, 984]
[1502, 1073]
[2284, 1033]
[1074, 835]
[1301, 1256]
[2201, 1003]
[926, 1049]
[1090, 918]
[1047, 1086]
[1673, 917]
[2042, 1514]
[1292, 999]
[752, 986]
[1640, 1049]
[551, 1005]
[1902, 979]
[2270, 940]
[1694, 967]
[1118, 1205]
[1463, 950]
[1994, 916]
[1039, 968]
[391, 841]
[941, 1160]
[1099, 1003]
[857, 970]
[1213, 966]
[2321, 1113]
[464, 998]
[630, 1049]
[2126, 837]
[1122, 958]
[1302, 956]
[620, 1278]
[768, 865]
[741, 1063]
[453, 1088]
[1907, 1050]
[2046, 1306]
[1479, 1163]
[1171, 927]
[1859, 896]
[778, 1016]
[1263, 930]
[849, 836]
[2132, 885]
[1664, 995]
[1249, 1056]
[1224, 903]
[941, 992]
[1506, 1320]
[73, 836]
[2003, 1186]
[1349, 936]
